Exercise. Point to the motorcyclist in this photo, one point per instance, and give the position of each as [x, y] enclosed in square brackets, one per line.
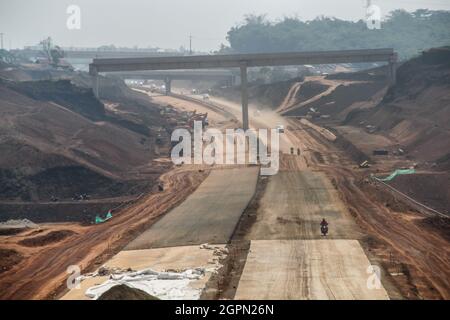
[324, 227]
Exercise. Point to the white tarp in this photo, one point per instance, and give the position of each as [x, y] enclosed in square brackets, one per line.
[163, 285]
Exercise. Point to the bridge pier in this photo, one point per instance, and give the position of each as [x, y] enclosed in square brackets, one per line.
[168, 84]
[392, 69]
[244, 95]
[96, 93]
[94, 73]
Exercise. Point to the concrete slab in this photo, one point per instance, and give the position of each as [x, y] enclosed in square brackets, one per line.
[293, 206]
[306, 269]
[209, 215]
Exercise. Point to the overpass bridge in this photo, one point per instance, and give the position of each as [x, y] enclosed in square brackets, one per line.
[244, 61]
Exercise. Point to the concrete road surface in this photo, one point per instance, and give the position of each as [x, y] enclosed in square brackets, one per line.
[307, 269]
[293, 205]
[209, 215]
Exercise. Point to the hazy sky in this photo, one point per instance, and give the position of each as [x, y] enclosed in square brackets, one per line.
[166, 23]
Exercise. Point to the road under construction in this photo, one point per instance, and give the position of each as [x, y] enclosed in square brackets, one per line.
[252, 236]
[270, 228]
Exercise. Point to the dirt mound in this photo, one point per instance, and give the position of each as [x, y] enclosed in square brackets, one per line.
[9, 258]
[11, 231]
[341, 98]
[124, 292]
[269, 95]
[416, 111]
[63, 92]
[57, 140]
[309, 89]
[46, 239]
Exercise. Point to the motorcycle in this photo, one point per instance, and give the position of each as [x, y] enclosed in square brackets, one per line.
[324, 230]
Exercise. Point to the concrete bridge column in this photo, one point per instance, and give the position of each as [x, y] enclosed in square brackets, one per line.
[168, 84]
[244, 95]
[392, 69]
[94, 74]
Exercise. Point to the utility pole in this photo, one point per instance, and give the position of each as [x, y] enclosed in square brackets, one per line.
[1, 36]
[190, 45]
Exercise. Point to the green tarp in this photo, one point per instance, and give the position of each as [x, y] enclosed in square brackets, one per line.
[98, 219]
[396, 173]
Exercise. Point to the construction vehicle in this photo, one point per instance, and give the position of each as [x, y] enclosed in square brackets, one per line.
[380, 152]
[280, 128]
[364, 164]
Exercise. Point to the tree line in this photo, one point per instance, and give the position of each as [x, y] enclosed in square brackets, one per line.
[408, 33]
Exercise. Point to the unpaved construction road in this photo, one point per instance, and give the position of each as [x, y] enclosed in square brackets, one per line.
[209, 215]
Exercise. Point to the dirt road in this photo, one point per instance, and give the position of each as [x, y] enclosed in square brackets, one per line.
[209, 215]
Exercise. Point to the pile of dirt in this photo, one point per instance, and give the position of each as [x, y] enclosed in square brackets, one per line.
[269, 95]
[351, 150]
[58, 140]
[11, 231]
[272, 95]
[341, 98]
[309, 89]
[416, 111]
[46, 239]
[124, 292]
[62, 182]
[63, 92]
[9, 258]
